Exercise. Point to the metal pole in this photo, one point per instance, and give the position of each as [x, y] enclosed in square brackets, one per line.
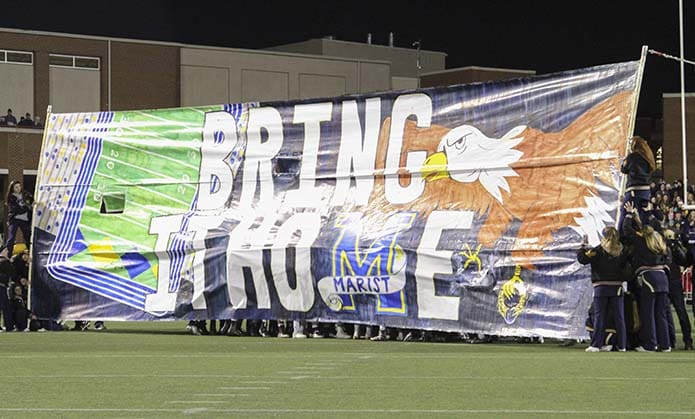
[631, 124]
[109, 76]
[683, 136]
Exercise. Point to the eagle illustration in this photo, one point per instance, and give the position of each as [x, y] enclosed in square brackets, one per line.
[544, 180]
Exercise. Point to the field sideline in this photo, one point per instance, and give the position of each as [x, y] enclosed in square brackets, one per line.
[157, 370]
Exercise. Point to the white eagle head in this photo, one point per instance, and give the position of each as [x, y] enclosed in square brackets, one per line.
[465, 155]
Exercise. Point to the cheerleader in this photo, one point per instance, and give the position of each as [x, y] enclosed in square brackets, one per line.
[607, 262]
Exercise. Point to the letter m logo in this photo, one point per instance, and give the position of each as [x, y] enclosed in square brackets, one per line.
[371, 253]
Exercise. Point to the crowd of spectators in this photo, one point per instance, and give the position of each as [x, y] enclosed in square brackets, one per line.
[9, 120]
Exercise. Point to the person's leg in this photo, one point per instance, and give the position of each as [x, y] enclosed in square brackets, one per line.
[619, 316]
[25, 226]
[600, 306]
[6, 307]
[675, 294]
[661, 308]
[647, 332]
[11, 236]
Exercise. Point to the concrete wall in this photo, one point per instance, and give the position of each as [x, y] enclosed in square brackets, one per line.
[19, 150]
[403, 60]
[465, 75]
[17, 88]
[42, 46]
[144, 76]
[672, 153]
[212, 76]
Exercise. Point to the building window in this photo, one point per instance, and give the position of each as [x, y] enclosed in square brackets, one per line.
[16, 57]
[73, 61]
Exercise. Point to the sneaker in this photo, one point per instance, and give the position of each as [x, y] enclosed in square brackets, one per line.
[622, 350]
[378, 338]
[666, 350]
[592, 349]
[317, 334]
[43, 329]
[641, 349]
[606, 348]
[368, 333]
[283, 335]
[298, 335]
[99, 326]
[340, 333]
[193, 329]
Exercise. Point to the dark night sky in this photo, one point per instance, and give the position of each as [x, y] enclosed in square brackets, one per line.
[545, 36]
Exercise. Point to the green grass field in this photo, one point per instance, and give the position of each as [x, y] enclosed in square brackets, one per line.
[157, 370]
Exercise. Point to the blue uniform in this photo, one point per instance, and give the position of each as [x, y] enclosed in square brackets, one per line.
[606, 278]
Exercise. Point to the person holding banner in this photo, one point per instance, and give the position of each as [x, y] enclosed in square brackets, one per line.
[638, 166]
[607, 262]
[18, 213]
[680, 257]
[650, 258]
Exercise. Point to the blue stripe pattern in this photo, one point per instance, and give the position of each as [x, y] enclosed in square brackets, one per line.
[123, 290]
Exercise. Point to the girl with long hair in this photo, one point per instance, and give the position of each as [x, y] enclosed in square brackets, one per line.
[18, 216]
[650, 259]
[638, 166]
[607, 262]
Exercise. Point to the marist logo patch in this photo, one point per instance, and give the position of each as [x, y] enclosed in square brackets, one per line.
[361, 267]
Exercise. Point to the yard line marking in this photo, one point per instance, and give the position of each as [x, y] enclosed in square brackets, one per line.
[463, 356]
[198, 401]
[348, 377]
[244, 388]
[357, 411]
[263, 382]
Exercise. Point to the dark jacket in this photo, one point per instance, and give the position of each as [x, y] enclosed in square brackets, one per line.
[6, 271]
[637, 170]
[16, 207]
[642, 257]
[605, 268]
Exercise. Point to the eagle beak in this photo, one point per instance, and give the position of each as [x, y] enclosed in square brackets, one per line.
[435, 167]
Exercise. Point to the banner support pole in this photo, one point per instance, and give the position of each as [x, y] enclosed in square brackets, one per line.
[631, 126]
[47, 119]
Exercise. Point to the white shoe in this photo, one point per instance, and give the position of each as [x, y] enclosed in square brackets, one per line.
[592, 349]
[194, 330]
[622, 350]
[298, 335]
[340, 334]
[317, 335]
[42, 330]
[641, 349]
[606, 348]
[667, 350]
[283, 335]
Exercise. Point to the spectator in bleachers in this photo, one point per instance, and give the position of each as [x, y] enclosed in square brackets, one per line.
[10, 120]
[37, 122]
[26, 121]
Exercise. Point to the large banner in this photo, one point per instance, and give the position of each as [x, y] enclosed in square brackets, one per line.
[457, 208]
